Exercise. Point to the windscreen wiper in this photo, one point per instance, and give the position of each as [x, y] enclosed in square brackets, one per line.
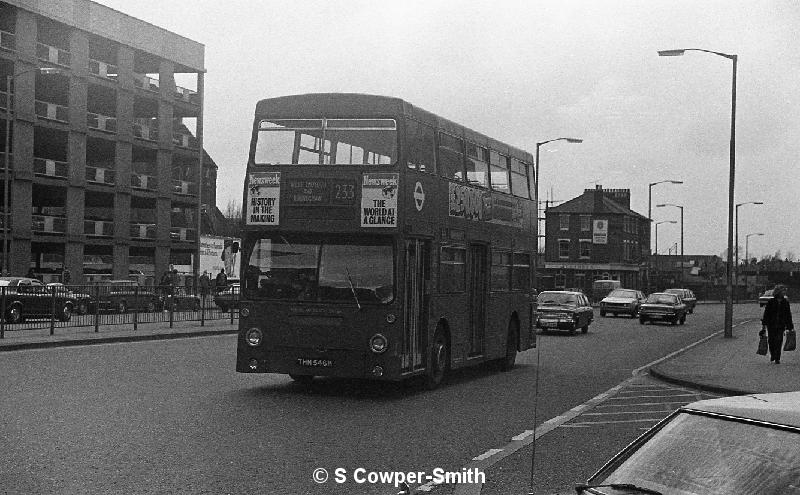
[352, 288]
[618, 486]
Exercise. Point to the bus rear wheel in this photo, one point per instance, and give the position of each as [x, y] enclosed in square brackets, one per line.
[507, 363]
[439, 361]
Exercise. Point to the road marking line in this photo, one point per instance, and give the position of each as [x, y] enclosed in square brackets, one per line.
[522, 436]
[652, 396]
[627, 412]
[553, 423]
[642, 420]
[489, 453]
[643, 404]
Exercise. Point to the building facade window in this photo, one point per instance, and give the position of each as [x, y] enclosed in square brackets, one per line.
[563, 222]
[586, 223]
[586, 248]
[560, 280]
[563, 248]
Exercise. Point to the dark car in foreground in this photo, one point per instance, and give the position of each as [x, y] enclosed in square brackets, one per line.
[622, 302]
[228, 297]
[30, 298]
[662, 306]
[563, 310]
[687, 296]
[124, 295]
[747, 444]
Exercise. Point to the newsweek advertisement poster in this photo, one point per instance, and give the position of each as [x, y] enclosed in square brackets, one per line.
[379, 200]
[263, 194]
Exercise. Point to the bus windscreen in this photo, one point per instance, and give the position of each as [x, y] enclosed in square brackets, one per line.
[326, 141]
[321, 270]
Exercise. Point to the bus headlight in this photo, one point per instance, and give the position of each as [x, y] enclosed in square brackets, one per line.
[254, 337]
[378, 344]
[244, 312]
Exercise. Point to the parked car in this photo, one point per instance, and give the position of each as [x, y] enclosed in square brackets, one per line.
[748, 444]
[181, 300]
[686, 296]
[764, 298]
[662, 306]
[564, 310]
[82, 300]
[124, 295]
[30, 298]
[228, 298]
[622, 302]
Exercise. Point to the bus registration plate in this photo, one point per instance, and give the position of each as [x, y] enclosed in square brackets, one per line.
[315, 363]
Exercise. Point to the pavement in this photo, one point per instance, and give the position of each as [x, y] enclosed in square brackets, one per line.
[730, 366]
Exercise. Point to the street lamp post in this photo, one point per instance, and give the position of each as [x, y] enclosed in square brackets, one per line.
[731, 181]
[11, 111]
[681, 207]
[650, 216]
[657, 224]
[736, 249]
[536, 172]
[747, 256]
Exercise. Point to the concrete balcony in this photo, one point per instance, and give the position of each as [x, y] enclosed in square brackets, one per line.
[184, 140]
[50, 168]
[187, 95]
[103, 69]
[48, 224]
[8, 41]
[184, 187]
[146, 82]
[98, 228]
[146, 129]
[101, 122]
[53, 55]
[52, 111]
[183, 234]
[100, 175]
[141, 181]
[143, 231]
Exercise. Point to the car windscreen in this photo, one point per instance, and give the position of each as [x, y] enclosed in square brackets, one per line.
[556, 298]
[627, 294]
[697, 454]
[661, 299]
[325, 270]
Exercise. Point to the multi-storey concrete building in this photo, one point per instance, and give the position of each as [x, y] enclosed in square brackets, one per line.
[596, 236]
[106, 131]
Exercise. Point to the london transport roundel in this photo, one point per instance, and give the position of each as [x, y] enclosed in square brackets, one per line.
[419, 196]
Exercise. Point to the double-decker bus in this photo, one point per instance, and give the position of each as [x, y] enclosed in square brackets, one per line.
[382, 241]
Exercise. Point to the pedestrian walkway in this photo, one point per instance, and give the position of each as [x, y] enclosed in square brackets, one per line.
[731, 365]
[38, 338]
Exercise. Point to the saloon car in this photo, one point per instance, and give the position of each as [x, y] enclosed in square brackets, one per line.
[686, 296]
[124, 295]
[662, 306]
[181, 300]
[564, 310]
[748, 444]
[622, 302]
[30, 298]
[82, 300]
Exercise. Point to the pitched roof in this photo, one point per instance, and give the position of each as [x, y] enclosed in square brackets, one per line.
[585, 204]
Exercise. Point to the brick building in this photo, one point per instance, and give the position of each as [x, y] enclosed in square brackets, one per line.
[105, 118]
[595, 236]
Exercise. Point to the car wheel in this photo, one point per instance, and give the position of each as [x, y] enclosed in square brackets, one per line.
[674, 321]
[66, 312]
[641, 320]
[14, 314]
[691, 311]
[585, 328]
[83, 308]
[682, 320]
[302, 379]
[439, 360]
[122, 307]
[507, 364]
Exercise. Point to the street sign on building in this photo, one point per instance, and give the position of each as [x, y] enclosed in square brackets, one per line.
[600, 231]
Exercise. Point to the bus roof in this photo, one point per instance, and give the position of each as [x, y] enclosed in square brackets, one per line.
[364, 105]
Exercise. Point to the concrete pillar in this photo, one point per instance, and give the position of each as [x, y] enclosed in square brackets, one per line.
[73, 261]
[121, 261]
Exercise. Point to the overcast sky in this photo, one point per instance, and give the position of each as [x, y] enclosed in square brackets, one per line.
[527, 71]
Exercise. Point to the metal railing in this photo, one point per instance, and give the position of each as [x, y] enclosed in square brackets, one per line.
[101, 305]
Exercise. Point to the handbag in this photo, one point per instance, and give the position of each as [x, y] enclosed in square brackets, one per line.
[791, 341]
[762, 345]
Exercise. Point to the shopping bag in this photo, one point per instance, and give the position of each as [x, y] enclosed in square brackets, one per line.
[791, 341]
[762, 345]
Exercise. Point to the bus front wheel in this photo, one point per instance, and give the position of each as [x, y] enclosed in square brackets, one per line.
[439, 361]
